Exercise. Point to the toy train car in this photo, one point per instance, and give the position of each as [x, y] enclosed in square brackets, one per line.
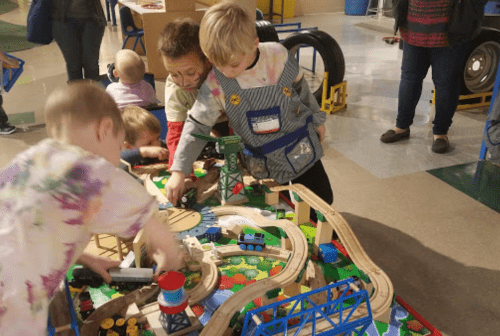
[86, 305]
[188, 200]
[251, 241]
[121, 277]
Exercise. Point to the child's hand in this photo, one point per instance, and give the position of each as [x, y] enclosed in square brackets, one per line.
[166, 262]
[175, 187]
[98, 264]
[13, 62]
[321, 132]
[154, 152]
[162, 246]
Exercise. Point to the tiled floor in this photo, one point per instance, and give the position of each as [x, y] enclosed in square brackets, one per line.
[438, 245]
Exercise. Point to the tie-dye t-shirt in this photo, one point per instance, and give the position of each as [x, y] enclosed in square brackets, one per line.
[53, 197]
[267, 71]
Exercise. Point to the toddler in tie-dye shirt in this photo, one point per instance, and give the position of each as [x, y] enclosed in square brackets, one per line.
[57, 194]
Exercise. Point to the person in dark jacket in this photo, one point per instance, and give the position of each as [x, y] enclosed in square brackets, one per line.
[78, 28]
[435, 33]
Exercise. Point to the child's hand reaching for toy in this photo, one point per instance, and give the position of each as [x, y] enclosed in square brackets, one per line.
[162, 246]
[98, 264]
[154, 152]
[175, 187]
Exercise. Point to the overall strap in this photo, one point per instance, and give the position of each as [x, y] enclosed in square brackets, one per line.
[228, 84]
[290, 72]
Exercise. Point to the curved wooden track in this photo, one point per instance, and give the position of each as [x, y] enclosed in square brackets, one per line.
[220, 319]
[381, 299]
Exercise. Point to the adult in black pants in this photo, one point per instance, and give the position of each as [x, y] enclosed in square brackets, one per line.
[78, 28]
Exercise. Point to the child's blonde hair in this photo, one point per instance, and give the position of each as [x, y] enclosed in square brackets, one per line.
[83, 102]
[227, 31]
[129, 66]
[179, 38]
[136, 120]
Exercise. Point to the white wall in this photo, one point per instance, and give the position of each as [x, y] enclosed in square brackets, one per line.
[318, 6]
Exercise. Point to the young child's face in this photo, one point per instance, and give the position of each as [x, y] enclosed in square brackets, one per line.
[187, 71]
[240, 63]
[238, 66]
[147, 138]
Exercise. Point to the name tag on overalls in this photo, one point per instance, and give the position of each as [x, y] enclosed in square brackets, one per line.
[265, 121]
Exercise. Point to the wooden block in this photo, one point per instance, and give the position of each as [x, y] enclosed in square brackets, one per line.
[316, 282]
[302, 214]
[324, 233]
[139, 242]
[131, 311]
[272, 198]
[286, 244]
[234, 231]
[292, 289]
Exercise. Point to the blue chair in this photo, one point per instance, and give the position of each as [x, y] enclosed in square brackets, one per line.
[129, 29]
[110, 9]
[159, 113]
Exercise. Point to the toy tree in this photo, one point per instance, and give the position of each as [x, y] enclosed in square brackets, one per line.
[231, 187]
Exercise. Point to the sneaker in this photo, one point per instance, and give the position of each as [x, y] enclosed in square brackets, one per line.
[7, 129]
[392, 136]
[440, 145]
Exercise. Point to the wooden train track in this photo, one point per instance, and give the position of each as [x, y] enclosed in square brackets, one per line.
[220, 319]
[381, 299]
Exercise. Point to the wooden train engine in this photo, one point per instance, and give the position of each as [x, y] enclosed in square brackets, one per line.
[252, 241]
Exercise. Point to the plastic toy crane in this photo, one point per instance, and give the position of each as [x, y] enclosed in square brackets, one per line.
[231, 187]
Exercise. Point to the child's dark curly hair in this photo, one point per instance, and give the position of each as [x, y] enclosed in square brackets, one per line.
[179, 38]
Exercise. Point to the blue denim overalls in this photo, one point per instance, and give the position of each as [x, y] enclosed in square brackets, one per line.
[281, 142]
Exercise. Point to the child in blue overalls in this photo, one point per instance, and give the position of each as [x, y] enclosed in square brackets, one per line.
[267, 100]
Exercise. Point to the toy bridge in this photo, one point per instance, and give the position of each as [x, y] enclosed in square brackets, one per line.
[338, 312]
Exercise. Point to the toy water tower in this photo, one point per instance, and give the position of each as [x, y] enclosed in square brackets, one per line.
[173, 301]
[231, 187]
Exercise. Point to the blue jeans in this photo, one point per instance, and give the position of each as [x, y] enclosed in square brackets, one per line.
[79, 41]
[447, 64]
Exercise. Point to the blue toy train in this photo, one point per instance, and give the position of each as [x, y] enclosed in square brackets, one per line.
[251, 241]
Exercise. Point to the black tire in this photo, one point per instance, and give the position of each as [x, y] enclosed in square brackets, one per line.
[266, 31]
[329, 50]
[481, 63]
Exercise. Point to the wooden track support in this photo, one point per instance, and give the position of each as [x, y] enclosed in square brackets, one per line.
[337, 99]
[302, 210]
[324, 232]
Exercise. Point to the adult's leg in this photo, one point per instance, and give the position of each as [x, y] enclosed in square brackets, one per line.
[68, 37]
[447, 64]
[414, 68]
[91, 44]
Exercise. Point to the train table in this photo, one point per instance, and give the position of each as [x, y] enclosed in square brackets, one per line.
[257, 268]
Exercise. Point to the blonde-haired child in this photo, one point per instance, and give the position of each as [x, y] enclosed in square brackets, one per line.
[55, 195]
[262, 90]
[131, 88]
[142, 131]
